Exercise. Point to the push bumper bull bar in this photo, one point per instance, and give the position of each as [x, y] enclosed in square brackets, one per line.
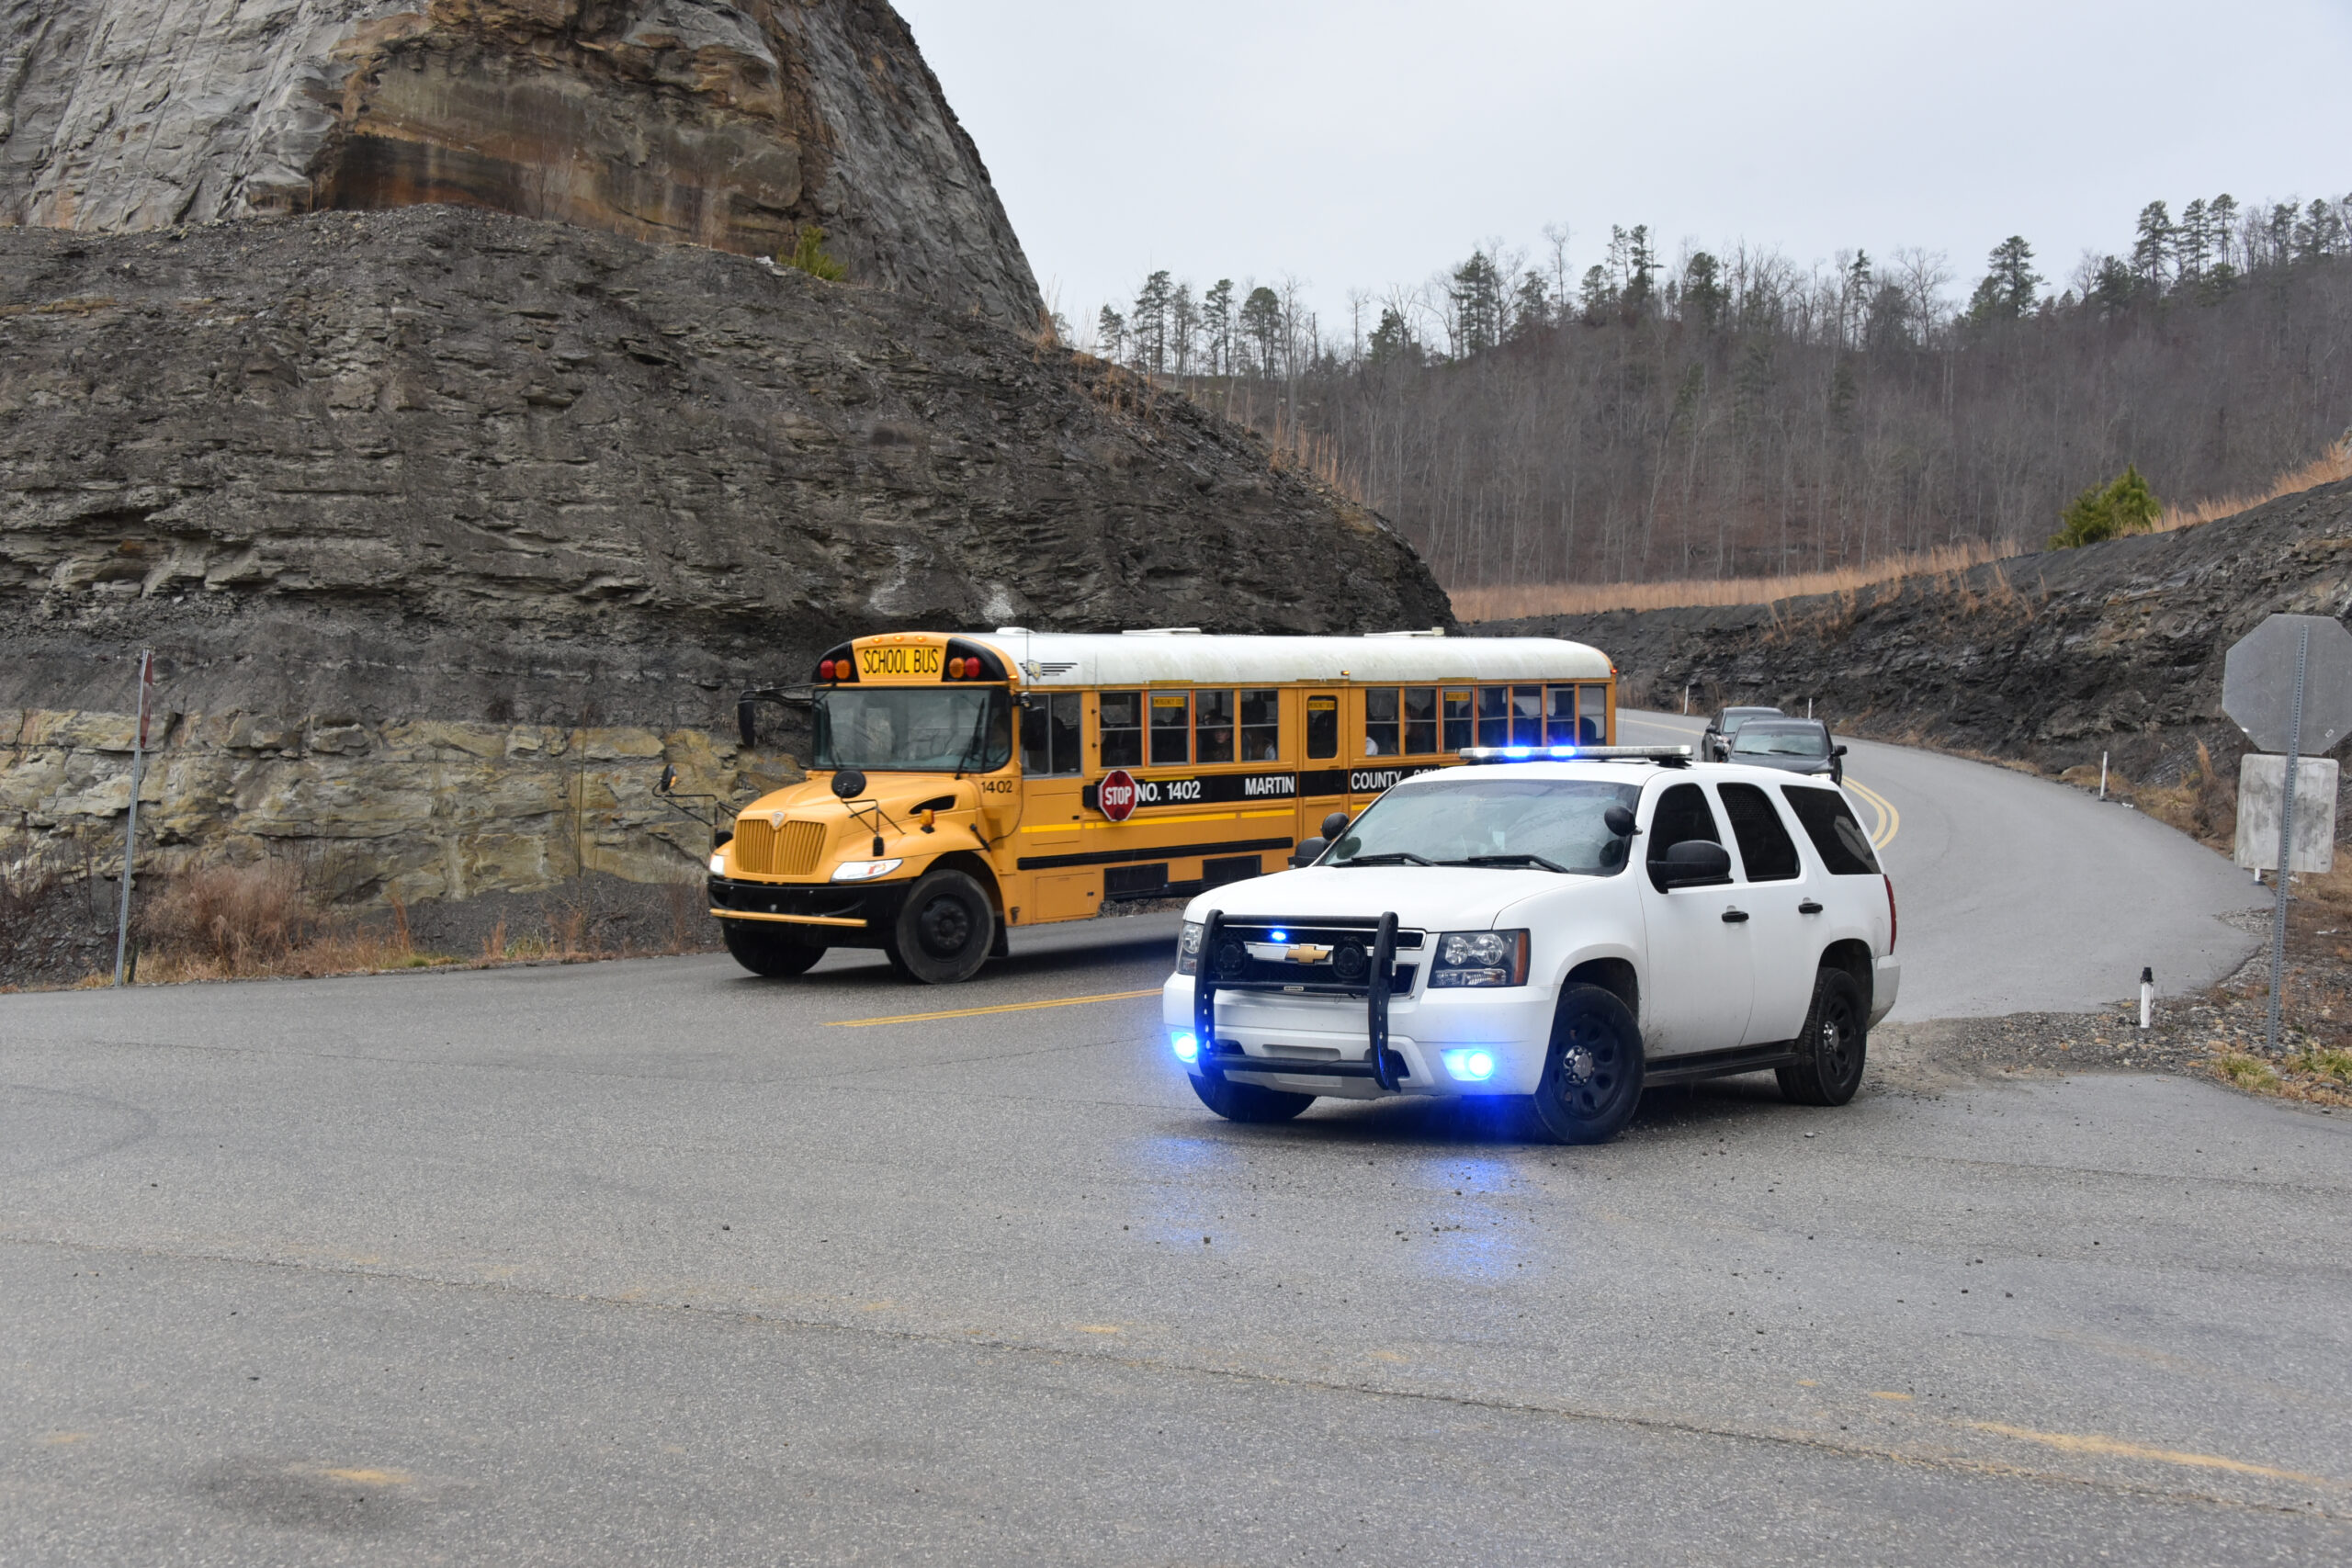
[1383, 1067]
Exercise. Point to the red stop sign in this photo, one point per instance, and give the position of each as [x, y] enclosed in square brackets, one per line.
[1117, 794]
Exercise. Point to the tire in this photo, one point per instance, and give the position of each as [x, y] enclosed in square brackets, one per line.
[768, 953]
[1833, 1046]
[1248, 1102]
[945, 929]
[1592, 1075]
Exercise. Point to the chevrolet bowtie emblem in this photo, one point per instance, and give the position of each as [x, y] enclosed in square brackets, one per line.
[1306, 952]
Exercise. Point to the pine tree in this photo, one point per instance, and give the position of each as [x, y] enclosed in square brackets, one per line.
[808, 256]
[1641, 263]
[1217, 326]
[1262, 325]
[1148, 326]
[1476, 294]
[2152, 248]
[1703, 295]
[1392, 341]
[1598, 296]
[1111, 334]
[1531, 308]
[2008, 289]
[1183, 328]
[2190, 242]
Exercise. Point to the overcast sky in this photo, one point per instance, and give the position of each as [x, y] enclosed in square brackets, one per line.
[1361, 143]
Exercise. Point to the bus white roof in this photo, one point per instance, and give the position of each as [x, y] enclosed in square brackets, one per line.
[1144, 658]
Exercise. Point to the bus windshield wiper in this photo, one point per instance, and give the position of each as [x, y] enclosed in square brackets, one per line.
[1387, 857]
[1509, 860]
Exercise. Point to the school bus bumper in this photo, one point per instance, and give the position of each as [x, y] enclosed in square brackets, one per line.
[848, 914]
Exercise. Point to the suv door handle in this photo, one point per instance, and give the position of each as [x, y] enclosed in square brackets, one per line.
[1808, 908]
[1733, 917]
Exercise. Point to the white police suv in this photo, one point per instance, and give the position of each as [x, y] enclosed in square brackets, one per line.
[1572, 928]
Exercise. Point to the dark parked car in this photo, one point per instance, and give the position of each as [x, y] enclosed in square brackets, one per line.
[1798, 745]
[1725, 725]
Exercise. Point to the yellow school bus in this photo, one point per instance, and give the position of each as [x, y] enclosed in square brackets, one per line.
[962, 785]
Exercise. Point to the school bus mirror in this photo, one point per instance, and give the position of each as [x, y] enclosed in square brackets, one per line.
[1333, 826]
[849, 783]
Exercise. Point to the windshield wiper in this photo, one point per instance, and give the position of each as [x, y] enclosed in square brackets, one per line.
[1509, 860]
[1387, 857]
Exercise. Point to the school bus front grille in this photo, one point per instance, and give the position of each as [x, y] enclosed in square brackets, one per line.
[792, 850]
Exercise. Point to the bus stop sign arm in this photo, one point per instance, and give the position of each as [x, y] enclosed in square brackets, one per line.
[2287, 684]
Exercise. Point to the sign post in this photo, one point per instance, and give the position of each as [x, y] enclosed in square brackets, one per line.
[131, 827]
[2287, 684]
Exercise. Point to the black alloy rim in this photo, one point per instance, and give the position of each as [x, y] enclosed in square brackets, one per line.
[1833, 1047]
[944, 926]
[1591, 1066]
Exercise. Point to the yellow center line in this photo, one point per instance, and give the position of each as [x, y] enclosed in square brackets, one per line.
[2115, 1447]
[1890, 820]
[1001, 1007]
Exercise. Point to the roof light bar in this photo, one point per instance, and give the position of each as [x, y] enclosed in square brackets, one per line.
[1664, 756]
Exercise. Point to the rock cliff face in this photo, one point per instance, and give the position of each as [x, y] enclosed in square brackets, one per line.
[726, 125]
[2052, 659]
[351, 474]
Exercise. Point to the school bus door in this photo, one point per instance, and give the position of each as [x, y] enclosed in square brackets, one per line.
[1323, 773]
[1053, 766]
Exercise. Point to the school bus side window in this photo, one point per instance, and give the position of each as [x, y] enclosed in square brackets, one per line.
[1120, 725]
[1494, 715]
[1261, 727]
[1172, 728]
[1420, 721]
[1593, 710]
[1380, 721]
[1561, 727]
[1459, 719]
[1049, 731]
[1322, 727]
[1212, 718]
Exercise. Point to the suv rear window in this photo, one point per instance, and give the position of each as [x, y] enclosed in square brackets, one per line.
[1829, 823]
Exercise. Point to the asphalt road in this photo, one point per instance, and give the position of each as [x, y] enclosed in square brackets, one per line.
[652, 1262]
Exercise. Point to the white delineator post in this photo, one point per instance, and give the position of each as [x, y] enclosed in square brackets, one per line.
[2286, 841]
[2147, 998]
[131, 827]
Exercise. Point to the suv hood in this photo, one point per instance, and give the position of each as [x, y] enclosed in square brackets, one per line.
[1434, 897]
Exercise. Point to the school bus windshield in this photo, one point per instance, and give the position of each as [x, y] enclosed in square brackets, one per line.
[913, 728]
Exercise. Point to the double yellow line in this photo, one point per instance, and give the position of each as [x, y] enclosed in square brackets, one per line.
[1890, 820]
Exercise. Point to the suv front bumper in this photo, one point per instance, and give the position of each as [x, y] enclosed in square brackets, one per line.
[1317, 1045]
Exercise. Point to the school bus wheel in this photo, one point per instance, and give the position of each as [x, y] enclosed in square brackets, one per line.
[945, 929]
[767, 952]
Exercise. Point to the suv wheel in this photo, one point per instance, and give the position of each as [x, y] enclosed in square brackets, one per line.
[1592, 1078]
[945, 929]
[1832, 1046]
[1248, 1101]
[767, 952]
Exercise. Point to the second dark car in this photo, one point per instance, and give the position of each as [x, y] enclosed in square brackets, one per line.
[1796, 745]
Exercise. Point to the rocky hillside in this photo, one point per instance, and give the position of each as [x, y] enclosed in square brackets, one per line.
[727, 125]
[2051, 659]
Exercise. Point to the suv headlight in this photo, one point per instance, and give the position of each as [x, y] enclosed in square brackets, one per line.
[864, 870]
[1480, 958]
[1188, 948]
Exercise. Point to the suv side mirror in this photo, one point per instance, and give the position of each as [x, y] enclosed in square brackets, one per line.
[1309, 850]
[1335, 824]
[1836, 751]
[1693, 862]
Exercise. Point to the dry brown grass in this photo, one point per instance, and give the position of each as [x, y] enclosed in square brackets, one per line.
[1512, 601]
[229, 922]
[2336, 465]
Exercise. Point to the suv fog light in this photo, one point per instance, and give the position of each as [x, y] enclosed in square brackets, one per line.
[1471, 1066]
[1187, 1049]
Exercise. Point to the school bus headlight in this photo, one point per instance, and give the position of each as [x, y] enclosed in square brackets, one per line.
[864, 870]
[718, 863]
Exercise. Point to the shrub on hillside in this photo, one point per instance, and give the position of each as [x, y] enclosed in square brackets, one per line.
[2125, 506]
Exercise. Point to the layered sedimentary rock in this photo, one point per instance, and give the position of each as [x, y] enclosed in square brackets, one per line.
[351, 472]
[727, 125]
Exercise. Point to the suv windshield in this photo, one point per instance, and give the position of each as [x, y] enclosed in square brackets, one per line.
[915, 729]
[1759, 738]
[1487, 820]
